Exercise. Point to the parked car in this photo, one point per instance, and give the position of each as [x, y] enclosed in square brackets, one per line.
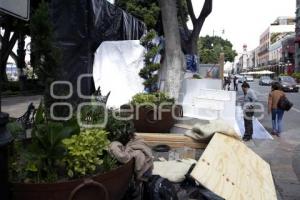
[241, 78]
[249, 78]
[288, 84]
[265, 80]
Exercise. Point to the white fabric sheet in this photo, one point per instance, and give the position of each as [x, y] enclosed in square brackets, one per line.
[259, 132]
[116, 68]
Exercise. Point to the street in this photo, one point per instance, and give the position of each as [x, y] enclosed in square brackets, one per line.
[283, 154]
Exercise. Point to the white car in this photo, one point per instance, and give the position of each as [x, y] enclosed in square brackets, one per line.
[249, 78]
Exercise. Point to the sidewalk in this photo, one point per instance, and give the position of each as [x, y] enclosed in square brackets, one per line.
[17, 106]
[283, 155]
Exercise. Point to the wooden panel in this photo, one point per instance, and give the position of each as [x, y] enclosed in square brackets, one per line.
[233, 171]
[173, 140]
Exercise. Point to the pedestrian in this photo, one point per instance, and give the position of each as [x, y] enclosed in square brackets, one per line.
[225, 83]
[277, 113]
[228, 82]
[235, 83]
[248, 108]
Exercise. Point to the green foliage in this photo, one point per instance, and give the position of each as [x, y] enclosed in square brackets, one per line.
[41, 160]
[45, 57]
[146, 11]
[154, 98]
[92, 114]
[109, 163]
[149, 72]
[296, 75]
[85, 151]
[197, 76]
[149, 11]
[16, 129]
[209, 49]
[119, 130]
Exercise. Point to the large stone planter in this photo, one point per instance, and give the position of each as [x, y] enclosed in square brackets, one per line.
[108, 186]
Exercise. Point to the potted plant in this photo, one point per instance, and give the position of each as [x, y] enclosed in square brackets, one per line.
[154, 111]
[63, 161]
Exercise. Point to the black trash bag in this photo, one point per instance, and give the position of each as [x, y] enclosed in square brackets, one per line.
[158, 188]
[196, 191]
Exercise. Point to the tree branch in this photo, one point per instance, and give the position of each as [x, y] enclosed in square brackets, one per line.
[12, 54]
[185, 27]
[191, 11]
[206, 10]
[11, 45]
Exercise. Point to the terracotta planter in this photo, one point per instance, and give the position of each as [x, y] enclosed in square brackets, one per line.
[145, 121]
[108, 186]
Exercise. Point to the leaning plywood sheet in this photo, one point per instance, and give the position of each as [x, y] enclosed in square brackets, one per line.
[233, 171]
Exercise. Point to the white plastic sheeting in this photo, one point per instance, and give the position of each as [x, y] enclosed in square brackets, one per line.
[203, 99]
[116, 68]
[259, 132]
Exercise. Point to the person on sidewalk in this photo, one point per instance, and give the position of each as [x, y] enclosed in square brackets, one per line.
[225, 83]
[228, 82]
[248, 108]
[236, 83]
[277, 113]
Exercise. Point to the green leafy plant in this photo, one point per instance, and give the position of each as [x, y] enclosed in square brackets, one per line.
[92, 114]
[16, 129]
[153, 98]
[197, 76]
[296, 75]
[119, 130]
[85, 151]
[149, 72]
[45, 56]
[41, 159]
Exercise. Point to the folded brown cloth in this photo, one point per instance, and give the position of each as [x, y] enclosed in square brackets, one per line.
[137, 149]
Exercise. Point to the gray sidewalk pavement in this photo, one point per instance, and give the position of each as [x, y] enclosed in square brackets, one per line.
[17, 106]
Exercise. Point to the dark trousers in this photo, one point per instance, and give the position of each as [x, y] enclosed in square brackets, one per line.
[236, 87]
[248, 120]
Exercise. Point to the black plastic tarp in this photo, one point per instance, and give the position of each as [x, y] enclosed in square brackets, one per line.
[79, 28]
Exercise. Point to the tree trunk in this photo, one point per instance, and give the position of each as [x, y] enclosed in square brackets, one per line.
[21, 60]
[174, 61]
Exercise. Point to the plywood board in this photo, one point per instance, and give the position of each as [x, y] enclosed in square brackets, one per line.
[233, 171]
[173, 140]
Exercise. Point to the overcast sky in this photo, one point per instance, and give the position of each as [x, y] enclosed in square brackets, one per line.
[243, 20]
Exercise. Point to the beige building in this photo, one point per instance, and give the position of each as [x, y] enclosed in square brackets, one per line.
[279, 29]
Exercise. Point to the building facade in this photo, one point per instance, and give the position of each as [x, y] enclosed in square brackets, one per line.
[279, 29]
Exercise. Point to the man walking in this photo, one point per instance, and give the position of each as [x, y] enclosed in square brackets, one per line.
[236, 83]
[248, 108]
